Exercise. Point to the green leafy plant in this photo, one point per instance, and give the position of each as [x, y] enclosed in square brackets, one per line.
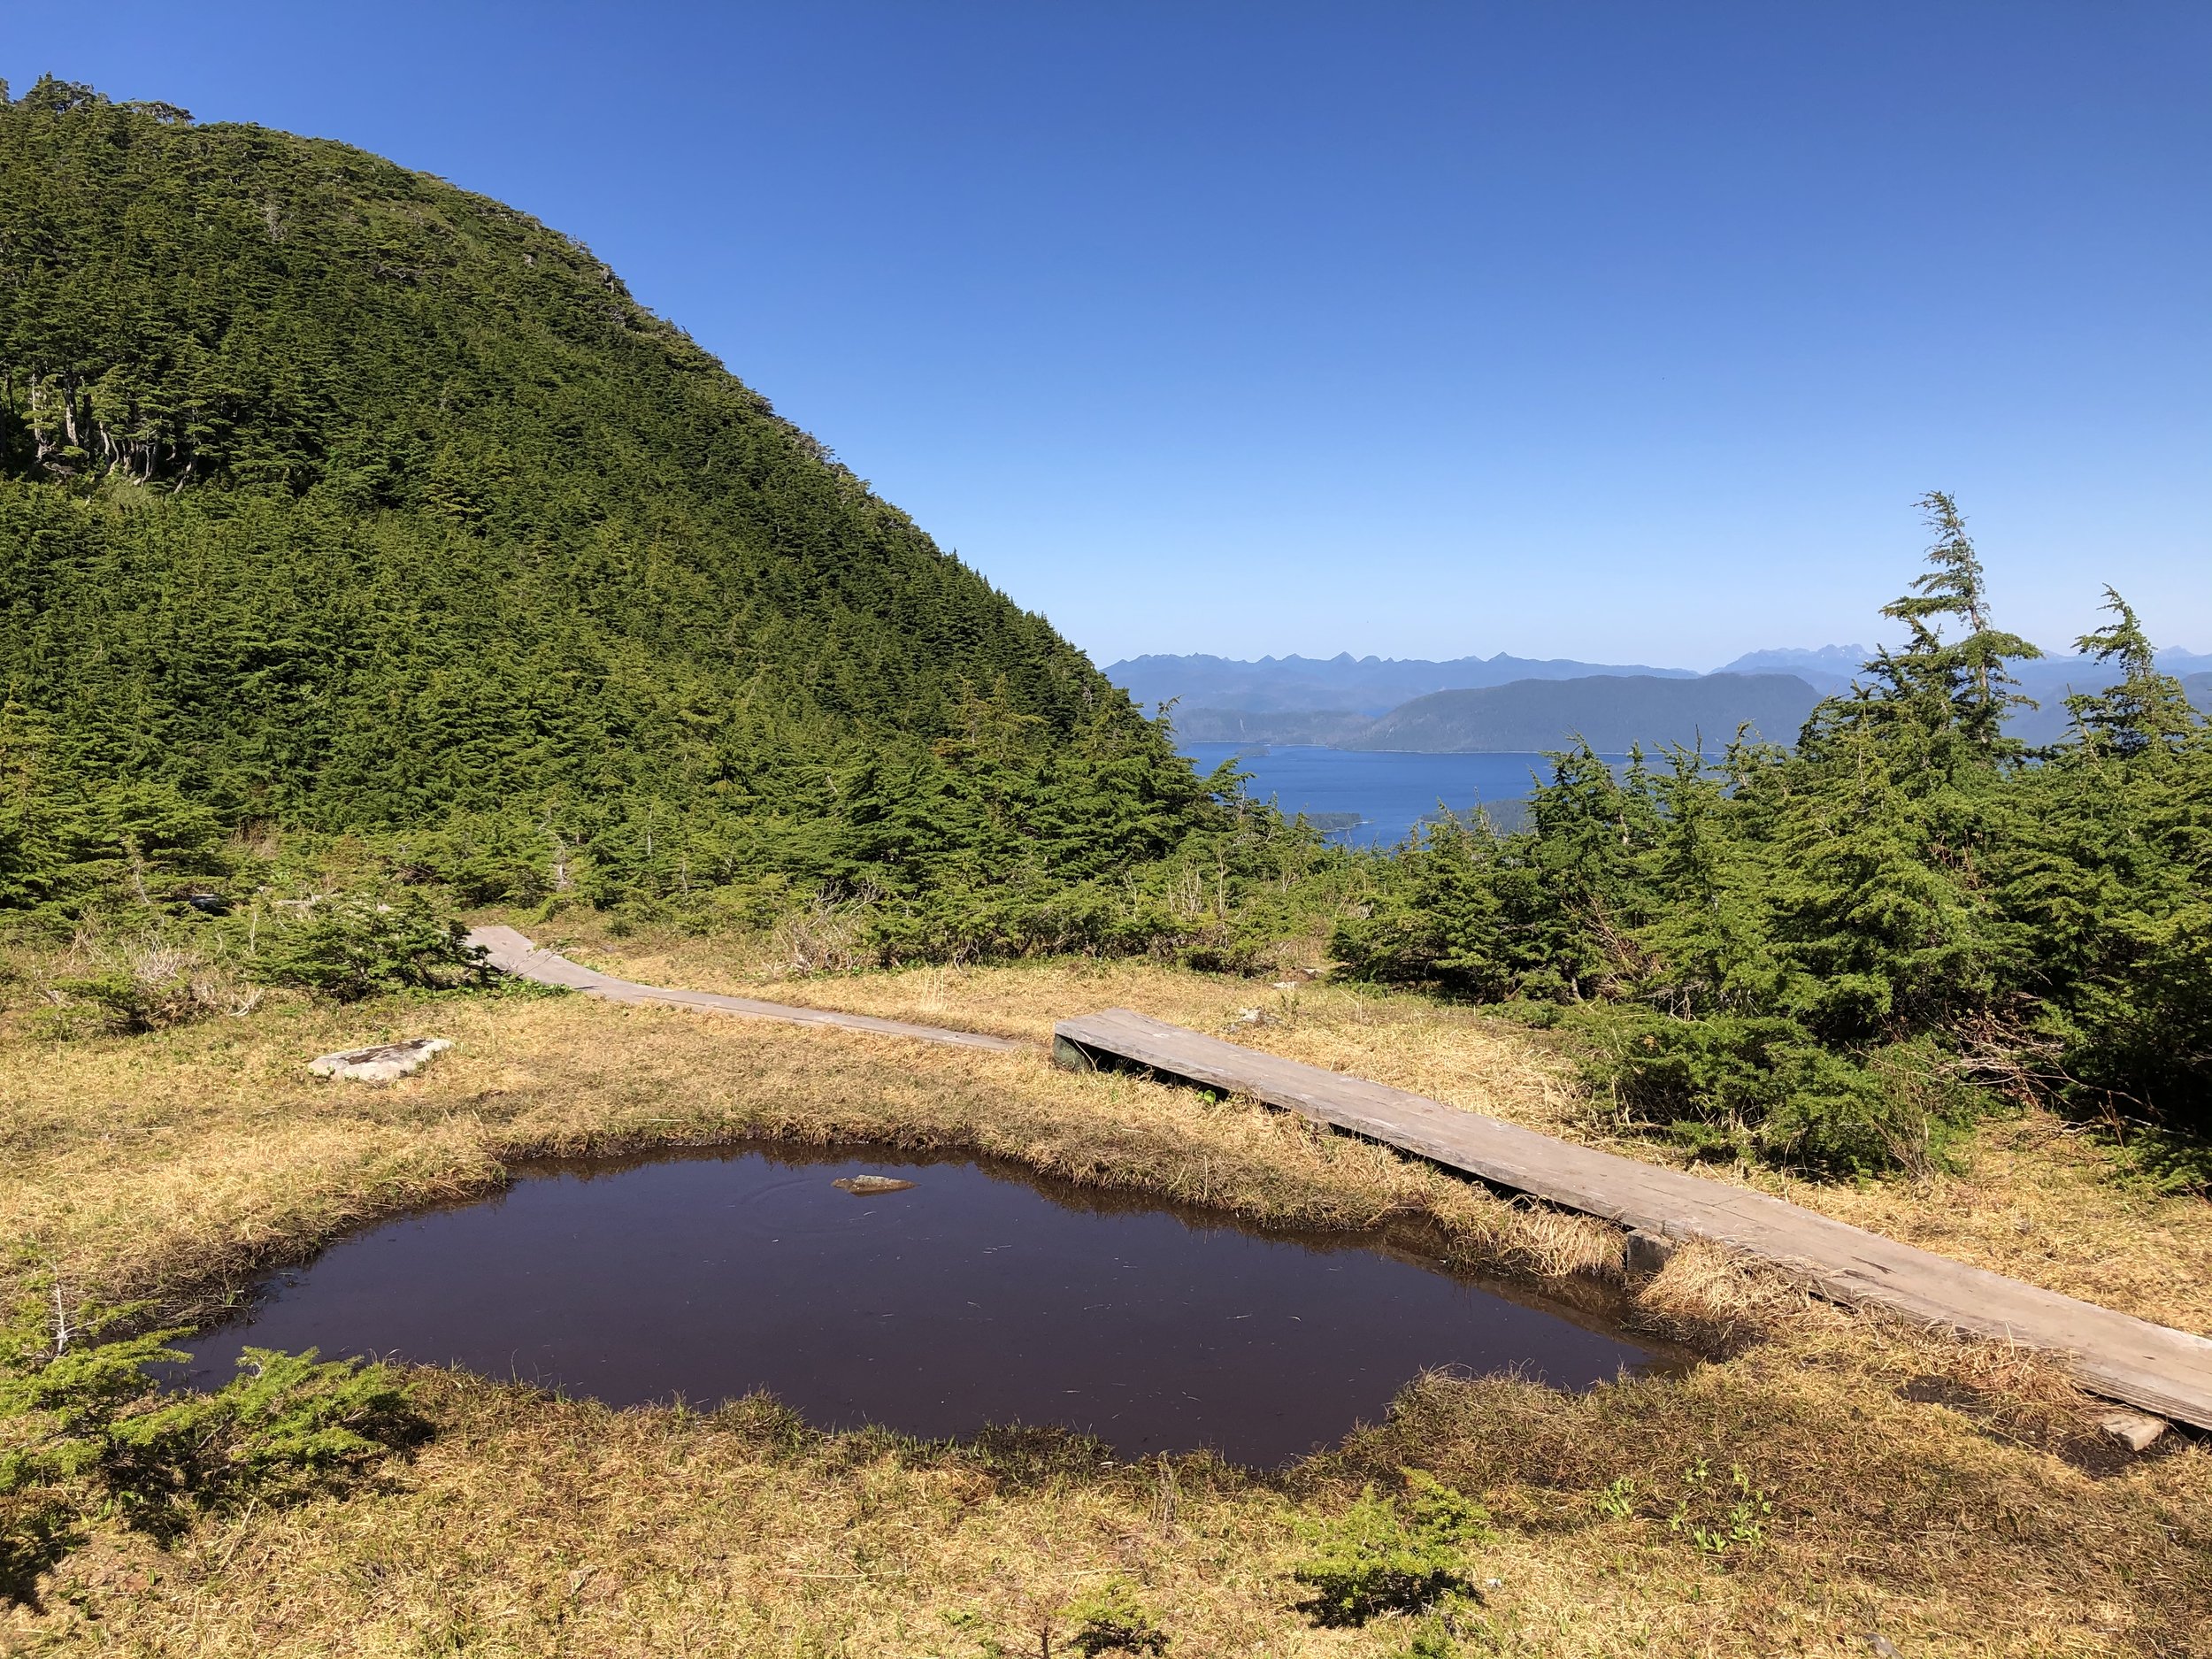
[1721, 1520]
[1384, 1555]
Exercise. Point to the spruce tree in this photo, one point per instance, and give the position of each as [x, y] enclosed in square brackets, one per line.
[1965, 673]
[2146, 710]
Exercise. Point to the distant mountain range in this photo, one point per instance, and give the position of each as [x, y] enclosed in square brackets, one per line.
[1613, 712]
[1360, 685]
[1609, 712]
[1828, 669]
[1513, 703]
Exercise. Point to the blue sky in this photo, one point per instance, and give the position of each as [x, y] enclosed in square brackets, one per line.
[1626, 332]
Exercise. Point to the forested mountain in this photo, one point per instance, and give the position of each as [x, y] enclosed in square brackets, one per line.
[332, 495]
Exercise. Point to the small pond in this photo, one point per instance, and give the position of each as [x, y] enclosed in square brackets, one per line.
[982, 1295]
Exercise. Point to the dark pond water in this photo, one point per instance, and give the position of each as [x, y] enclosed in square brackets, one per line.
[978, 1297]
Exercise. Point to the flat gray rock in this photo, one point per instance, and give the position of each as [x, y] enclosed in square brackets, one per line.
[385, 1062]
[2137, 1431]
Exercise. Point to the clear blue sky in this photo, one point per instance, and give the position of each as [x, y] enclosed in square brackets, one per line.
[1626, 332]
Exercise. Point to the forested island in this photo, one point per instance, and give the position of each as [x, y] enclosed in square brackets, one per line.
[372, 564]
[1498, 706]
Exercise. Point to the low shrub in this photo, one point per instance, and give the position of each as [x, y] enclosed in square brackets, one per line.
[353, 947]
[137, 977]
[86, 1432]
[1111, 1619]
[1382, 1556]
[1742, 1086]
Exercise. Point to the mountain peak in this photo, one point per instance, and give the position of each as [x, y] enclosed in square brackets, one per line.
[1837, 658]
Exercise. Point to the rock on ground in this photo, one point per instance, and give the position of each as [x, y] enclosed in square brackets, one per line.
[2135, 1430]
[383, 1064]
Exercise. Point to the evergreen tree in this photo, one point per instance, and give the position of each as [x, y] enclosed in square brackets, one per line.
[2146, 709]
[1967, 674]
[1822, 954]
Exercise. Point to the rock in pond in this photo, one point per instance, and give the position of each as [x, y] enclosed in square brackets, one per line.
[861, 1186]
[383, 1063]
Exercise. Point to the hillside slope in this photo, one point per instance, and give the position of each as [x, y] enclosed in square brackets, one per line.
[1610, 713]
[332, 494]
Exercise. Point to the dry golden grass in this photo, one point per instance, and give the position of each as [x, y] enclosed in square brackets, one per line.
[536, 1528]
[1951, 1497]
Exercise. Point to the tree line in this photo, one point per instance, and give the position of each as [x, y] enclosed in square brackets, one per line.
[1828, 951]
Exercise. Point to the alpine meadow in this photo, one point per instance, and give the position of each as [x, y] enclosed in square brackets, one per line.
[373, 568]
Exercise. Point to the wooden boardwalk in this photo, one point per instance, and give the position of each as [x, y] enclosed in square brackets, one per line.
[510, 952]
[2146, 1366]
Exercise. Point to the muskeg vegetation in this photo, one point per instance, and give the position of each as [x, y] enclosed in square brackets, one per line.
[84, 1435]
[1956, 1498]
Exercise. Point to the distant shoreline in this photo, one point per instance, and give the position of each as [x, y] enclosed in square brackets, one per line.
[1212, 701]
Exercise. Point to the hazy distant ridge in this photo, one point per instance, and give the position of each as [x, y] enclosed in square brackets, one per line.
[1363, 685]
[1828, 669]
[1611, 713]
[1329, 728]
[1363, 704]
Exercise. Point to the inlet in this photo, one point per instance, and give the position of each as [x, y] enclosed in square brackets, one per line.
[979, 1294]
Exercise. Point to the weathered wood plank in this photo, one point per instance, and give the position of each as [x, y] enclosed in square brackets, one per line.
[2148, 1365]
[511, 952]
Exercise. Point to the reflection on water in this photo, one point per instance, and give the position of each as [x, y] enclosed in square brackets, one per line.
[976, 1296]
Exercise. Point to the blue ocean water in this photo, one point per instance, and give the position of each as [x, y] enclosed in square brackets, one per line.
[1390, 792]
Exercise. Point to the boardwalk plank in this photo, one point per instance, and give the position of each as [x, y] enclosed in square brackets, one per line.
[511, 952]
[2148, 1365]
